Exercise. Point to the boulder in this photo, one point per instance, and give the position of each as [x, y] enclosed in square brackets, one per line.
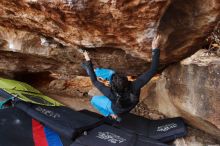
[29, 52]
[43, 37]
[189, 89]
[114, 32]
[196, 137]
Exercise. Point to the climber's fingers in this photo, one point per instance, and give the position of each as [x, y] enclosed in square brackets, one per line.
[159, 41]
[86, 55]
[156, 41]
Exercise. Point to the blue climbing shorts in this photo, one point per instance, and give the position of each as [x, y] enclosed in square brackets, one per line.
[102, 104]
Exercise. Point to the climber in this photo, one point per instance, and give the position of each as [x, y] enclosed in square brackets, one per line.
[122, 95]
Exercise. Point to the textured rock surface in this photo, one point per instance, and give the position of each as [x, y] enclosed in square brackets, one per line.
[105, 26]
[22, 51]
[196, 137]
[129, 25]
[40, 37]
[190, 89]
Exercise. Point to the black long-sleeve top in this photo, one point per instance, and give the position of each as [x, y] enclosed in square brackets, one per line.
[135, 85]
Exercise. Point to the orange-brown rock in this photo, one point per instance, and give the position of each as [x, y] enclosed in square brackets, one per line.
[106, 27]
[189, 89]
[40, 37]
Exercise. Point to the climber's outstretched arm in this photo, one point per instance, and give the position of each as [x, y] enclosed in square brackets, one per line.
[88, 66]
[144, 78]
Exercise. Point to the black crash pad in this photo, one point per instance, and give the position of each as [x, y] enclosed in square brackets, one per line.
[106, 135]
[63, 120]
[16, 129]
[163, 130]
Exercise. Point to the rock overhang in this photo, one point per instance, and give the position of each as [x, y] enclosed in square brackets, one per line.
[100, 26]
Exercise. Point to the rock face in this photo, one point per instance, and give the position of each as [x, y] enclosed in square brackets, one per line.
[22, 51]
[43, 37]
[190, 89]
[196, 137]
[115, 32]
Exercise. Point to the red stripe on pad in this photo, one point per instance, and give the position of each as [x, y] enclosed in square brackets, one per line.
[38, 134]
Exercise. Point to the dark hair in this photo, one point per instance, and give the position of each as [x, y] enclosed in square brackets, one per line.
[119, 83]
[121, 86]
